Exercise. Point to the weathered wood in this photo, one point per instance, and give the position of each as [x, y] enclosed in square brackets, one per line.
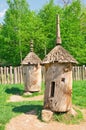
[21, 73]
[7, 75]
[15, 75]
[32, 78]
[2, 76]
[11, 76]
[18, 77]
[58, 89]
[78, 73]
[5, 81]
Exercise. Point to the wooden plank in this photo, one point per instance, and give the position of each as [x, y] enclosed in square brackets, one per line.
[85, 73]
[11, 76]
[18, 77]
[21, 74]
[7, 75]
[73, 73]
[2, 82]
[4, 75]
[15, 75]
[0, 75]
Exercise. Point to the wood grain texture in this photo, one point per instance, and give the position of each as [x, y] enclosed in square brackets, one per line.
[61, 101]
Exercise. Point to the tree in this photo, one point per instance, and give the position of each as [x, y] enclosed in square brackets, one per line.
[48, 15]
[71, 31]
[20, 26]
[15, 25]
[72, 37]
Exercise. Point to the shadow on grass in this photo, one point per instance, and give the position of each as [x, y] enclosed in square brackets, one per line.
[29, 108]
[15, 91]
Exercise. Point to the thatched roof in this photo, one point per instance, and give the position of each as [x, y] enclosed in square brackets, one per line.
[31, 58]
[60, 55]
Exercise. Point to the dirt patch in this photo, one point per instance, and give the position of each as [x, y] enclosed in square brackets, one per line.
[18, 98]
[29, 121]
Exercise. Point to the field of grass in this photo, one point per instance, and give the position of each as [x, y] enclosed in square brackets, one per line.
[9, 110]
[79, 93]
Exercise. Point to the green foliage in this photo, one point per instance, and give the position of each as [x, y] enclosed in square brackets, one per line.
[21, 25]
[13, 28]
[72, 36]
[48, 15]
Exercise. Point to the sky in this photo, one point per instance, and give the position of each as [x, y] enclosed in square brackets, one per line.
[34, 5]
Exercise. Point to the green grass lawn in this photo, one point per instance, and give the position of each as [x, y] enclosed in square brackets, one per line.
[9, 110]
[79, 93]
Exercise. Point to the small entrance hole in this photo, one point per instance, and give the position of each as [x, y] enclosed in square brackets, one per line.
[63, 80]
[52, 88]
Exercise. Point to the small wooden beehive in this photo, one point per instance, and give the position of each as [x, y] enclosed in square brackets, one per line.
[32, 71]
[58, 77]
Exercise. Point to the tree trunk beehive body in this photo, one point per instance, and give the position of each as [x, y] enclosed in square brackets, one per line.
[58, 87]
[32, 78]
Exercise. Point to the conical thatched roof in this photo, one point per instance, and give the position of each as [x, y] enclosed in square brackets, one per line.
[59, 54]
[31, 57]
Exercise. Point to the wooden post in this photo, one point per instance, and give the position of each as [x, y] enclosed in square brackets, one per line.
[18, 77]
[2, 75]
[11, 76]
[77, 72]
[73, 75]
[15, 75]
[5, 75]
[80, 69]
[20, 71]
[85, 73]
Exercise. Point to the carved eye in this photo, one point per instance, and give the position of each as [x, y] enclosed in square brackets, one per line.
[63, 80]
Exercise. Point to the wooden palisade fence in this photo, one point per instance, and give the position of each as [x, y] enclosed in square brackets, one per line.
[14, 75]
[79, 73]
[11, 75]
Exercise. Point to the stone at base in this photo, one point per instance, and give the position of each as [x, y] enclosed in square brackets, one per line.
[72, 112]
[47, 115]
[27, 93]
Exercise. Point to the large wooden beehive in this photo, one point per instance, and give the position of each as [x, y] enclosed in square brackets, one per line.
[58, 77]
[32, 72]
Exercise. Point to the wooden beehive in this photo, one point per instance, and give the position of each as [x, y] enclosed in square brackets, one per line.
[32, 71]
[58, 77]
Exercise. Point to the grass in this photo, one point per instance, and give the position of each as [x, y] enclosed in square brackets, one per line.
[10, 110]
[79, 93]
[19, 90]
[69, 119]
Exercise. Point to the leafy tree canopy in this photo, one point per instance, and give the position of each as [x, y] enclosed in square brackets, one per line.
[22, 25]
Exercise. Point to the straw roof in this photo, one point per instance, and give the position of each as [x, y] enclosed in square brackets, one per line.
[60, 55]
[31, 58]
